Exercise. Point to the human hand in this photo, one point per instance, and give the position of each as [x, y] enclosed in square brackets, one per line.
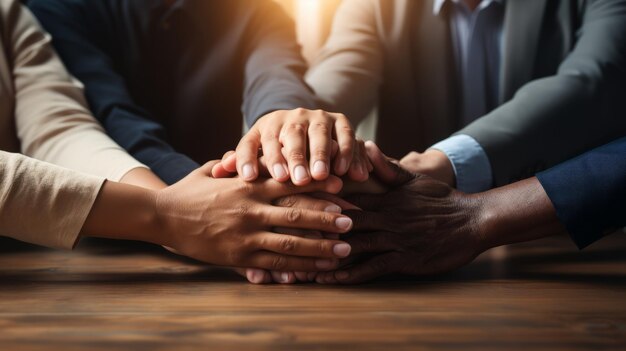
[283, 135]
[305, 202]
[229, 222]
[420, 227]
[433, 163]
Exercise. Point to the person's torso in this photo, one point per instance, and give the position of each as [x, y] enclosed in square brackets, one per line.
[420, 95]
[184, 64]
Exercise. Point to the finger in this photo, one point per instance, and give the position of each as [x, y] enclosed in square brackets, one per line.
[373, 242]
[305, 219]
[358, 169]
[308, 203]
[302, 276]
[229, 161]
[207, 168]
[346, 140]
[368, 202]
[294, 141]
[247, 155]
[272, 153]
[218, 171]
[367, 221]
[309, 234]
[283, 277]
[256, 276]
[345, 205]
[334, 148]
[295, 246]
[310, 276]
[320, 147]
[276, 262]
[274, 190]
[263, 171]
[386, 170]
[373, 268]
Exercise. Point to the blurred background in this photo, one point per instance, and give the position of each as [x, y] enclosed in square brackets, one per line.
[313, 21]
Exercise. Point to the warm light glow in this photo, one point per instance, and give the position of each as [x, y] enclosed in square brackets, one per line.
[313, 20]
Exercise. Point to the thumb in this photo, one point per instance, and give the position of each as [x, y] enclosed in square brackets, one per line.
[385, 169]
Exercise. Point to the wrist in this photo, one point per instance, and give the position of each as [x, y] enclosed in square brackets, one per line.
[475, 219]
[486, 220]
[516, 213]
[122, 212]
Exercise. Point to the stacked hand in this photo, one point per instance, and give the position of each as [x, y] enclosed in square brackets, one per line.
[420, 227]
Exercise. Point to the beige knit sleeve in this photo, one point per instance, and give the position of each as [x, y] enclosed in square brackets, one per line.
[52, 120]
[44, 204]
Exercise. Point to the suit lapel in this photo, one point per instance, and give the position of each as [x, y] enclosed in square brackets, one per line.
[522, 27]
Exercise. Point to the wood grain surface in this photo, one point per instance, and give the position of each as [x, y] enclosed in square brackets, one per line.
[544, 295]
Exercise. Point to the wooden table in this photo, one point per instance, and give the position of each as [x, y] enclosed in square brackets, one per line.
[544, 295]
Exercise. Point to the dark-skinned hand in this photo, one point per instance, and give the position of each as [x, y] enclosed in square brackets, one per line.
[420, 227]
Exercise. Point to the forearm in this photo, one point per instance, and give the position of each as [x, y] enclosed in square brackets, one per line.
[125, 212]
[516, 213]
[144, 178]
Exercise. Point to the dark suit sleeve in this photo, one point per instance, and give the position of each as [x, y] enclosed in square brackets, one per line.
[556, 118]
[274, 67]
[109, 99]
[589, 192]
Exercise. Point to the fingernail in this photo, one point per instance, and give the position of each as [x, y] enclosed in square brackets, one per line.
[256, 276]
[300, 173]
[279, 171]
[343, 223]
[319, 167]
[284, 277]
[333, 209]
[342, 250]
[342, 275]
[324, 264]
[248, 171]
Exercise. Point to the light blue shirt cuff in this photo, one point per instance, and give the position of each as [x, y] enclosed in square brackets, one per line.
[469, 161]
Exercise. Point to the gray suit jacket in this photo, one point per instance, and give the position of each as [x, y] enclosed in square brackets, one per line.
[563, 88]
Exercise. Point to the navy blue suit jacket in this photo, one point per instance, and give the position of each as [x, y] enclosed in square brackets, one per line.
[170, 83]
[589, 192]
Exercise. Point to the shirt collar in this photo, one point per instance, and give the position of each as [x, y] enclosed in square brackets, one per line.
[438, 4]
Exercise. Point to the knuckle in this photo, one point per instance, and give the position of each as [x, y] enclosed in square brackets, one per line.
[300, 110]
[324, 247]
[297, 128]
[287, 244]
[246, 188]
[287, 201]
[326, 219]
[346, 129]
[247, 143]
[278, 263]
[234, 256]
[297, 156]
[321, 154]
[320, 127]
[294, 215]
